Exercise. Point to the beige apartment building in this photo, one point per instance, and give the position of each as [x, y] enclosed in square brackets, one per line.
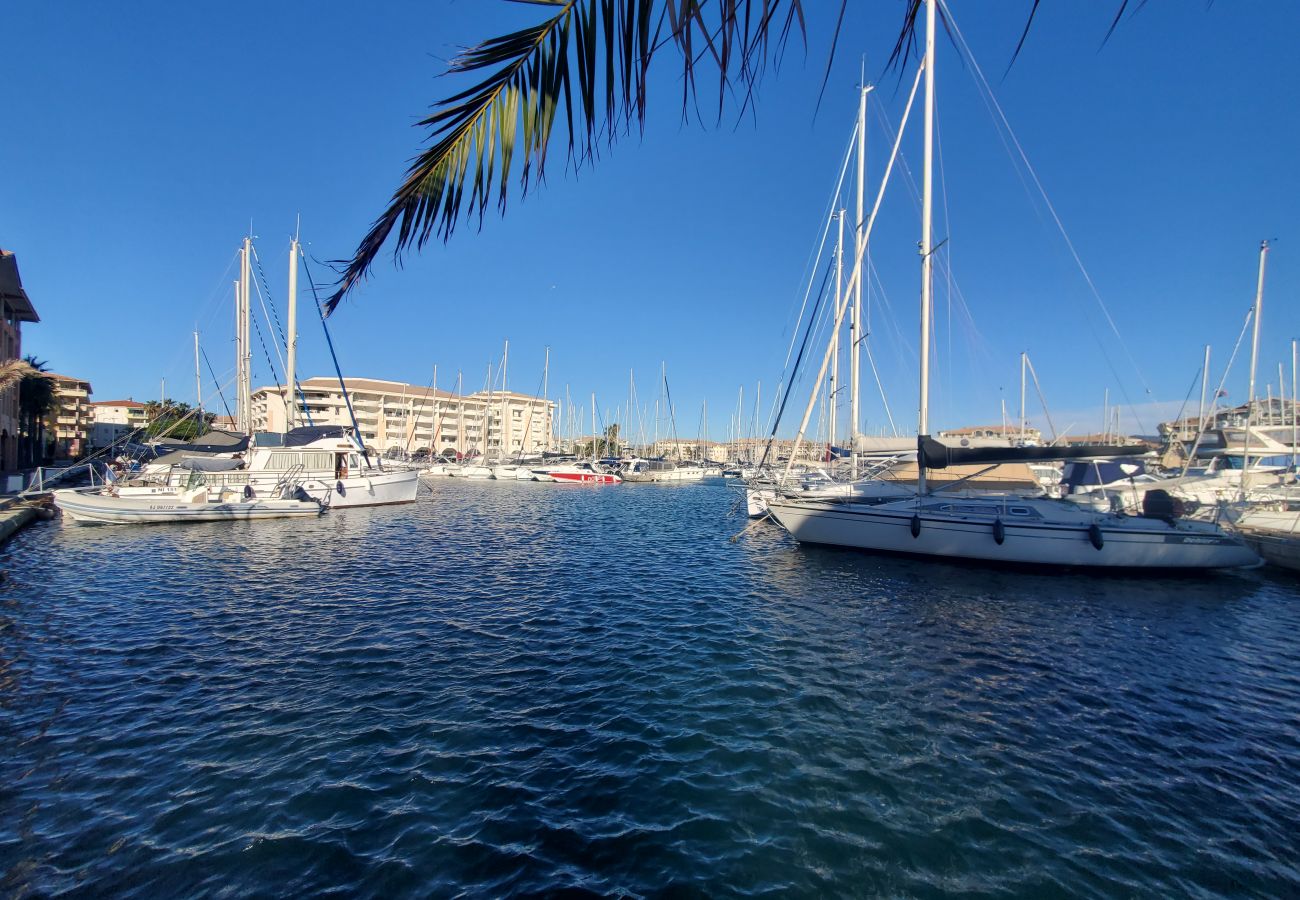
[15, 308]
[72, 417]
[114, 419]
[393, 415]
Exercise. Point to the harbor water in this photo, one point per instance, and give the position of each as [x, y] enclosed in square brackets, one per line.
[525, 689]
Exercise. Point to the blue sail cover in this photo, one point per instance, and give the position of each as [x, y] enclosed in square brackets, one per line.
[1102, 471]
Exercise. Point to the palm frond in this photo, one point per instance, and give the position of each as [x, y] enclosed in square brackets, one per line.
[586, 65]
[12, 371]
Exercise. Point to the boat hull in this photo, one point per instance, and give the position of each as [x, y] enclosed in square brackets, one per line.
[380, 489]
[1109, 542]
[100, 509]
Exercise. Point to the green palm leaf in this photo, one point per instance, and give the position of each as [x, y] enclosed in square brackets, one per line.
[585, 65]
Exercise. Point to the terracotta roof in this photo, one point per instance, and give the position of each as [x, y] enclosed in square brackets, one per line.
[133, 404]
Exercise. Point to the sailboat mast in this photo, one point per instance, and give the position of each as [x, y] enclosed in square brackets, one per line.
[246, 350]
[1254, 356]
[291, 363]
[505, 441]
[1205, 383]
[1024, 359]
[198, 378]
[855, 323]
[927, 265]
[834, 390]
[1293, 404]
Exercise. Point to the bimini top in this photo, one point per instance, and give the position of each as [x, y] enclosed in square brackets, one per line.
[213, 442]
[303, 435]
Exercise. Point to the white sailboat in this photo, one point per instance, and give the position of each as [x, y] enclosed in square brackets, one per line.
[1005, 529]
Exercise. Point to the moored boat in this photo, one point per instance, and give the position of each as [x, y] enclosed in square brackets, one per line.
[197, 504]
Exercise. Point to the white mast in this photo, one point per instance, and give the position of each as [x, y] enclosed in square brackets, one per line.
[927, 270]
[1205, 383]
[834, 389]
[198, 378]
[1105, 416]
[246, 359]
[505, 441]
[1024, 358]
[1294, 426]
[546, 403]
[291, 375]
[239, 356]
[593, 426]
[855, 322]
[1254, 355]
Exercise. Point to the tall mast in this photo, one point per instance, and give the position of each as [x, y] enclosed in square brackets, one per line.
[1205, 383]
[1294, 425]
[927, 265]
[505, 441]
[1105, 416]
[239, 356]
[835, 340]
[855, 323]
[1024, 359]
[1254, 356]
[198, 378]
[291, 376]
[546, 403]
[246, 360]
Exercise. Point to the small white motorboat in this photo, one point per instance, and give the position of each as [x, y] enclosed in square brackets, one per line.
[199, 504]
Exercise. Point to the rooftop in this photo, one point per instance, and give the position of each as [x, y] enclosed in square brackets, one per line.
[11, 289]
[132, 404]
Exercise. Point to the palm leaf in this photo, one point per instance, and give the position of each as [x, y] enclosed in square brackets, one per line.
[12, 371]
[586, 65]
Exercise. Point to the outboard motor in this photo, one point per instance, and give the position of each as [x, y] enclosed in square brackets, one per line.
[1160, 504]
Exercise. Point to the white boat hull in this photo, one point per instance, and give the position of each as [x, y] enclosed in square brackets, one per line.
[379, 489]
[102, 509]
[1074, 538]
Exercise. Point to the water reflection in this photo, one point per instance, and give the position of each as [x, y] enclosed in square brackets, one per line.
[519, 687]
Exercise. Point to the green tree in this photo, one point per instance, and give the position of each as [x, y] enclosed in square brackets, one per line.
[36, 401]
[174, 420]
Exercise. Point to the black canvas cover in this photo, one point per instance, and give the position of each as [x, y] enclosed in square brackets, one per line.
[934, 455]
[214, 441]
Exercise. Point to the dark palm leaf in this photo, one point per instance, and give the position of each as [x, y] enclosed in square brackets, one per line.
[585, 64]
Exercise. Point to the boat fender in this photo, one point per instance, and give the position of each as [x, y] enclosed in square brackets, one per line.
[1094, 535]
[339, 487]
[999, 531]
[248, 492]
[916, 525]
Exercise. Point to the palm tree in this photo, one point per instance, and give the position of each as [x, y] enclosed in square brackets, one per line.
[36, 400]
[586, 63]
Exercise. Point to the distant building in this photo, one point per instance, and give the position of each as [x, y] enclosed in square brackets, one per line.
[1008, 432]
[691, 449]
[72, 417]
[112, 420]
[16, 309]
[393, 415]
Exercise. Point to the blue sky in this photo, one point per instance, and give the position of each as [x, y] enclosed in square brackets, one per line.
[142, 140]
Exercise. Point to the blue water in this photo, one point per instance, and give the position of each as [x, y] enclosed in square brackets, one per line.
[528, 689]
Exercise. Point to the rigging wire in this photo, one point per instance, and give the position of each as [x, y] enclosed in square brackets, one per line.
[987, 90]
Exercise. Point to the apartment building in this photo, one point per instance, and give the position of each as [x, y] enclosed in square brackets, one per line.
[112, 420]
[393, 415]
[73, 416]
[15, 308]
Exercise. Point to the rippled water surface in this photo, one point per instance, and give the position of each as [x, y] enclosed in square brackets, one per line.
[525, 689]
